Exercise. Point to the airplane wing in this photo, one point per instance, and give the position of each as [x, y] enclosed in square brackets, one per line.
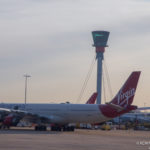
[4, 110]
[144, 108]
[11, 117]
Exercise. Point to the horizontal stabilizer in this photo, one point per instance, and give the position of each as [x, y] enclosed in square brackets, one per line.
[117, 107]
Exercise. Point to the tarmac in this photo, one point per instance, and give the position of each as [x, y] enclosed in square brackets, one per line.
[28, 139]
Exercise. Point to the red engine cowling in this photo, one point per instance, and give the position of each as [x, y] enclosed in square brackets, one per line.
[8, 120]
[11, 120]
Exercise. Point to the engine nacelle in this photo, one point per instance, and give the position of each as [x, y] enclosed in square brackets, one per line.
[11, 120]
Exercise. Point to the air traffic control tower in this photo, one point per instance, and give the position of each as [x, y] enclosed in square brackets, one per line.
[100, 39]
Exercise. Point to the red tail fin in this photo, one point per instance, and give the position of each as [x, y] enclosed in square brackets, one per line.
[92, 99]
[122, 101]
[125, 95]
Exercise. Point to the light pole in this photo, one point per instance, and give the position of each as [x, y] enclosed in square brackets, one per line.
[25, 96]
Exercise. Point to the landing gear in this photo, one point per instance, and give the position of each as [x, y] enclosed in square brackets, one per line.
[3, 127]
[40, 128]
[56, 128]
[68, 128]
[62, 128]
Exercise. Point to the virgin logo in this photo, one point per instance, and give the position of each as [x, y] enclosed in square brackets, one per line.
[123, 98]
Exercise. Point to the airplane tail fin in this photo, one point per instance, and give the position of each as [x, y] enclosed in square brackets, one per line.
[126, 94]
[92, 99]
[121, 103]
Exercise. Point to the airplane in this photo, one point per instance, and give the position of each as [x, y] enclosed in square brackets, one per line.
[134, 116]
[11, 118]
[61, 115]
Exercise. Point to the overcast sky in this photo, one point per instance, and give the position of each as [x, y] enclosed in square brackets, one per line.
[51, 41]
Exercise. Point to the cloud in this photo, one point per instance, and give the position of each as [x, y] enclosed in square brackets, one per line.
[51, 40]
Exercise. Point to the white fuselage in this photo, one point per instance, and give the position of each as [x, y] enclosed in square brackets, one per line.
[64, 113]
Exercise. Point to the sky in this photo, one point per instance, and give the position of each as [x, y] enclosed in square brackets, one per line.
[51, 41]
